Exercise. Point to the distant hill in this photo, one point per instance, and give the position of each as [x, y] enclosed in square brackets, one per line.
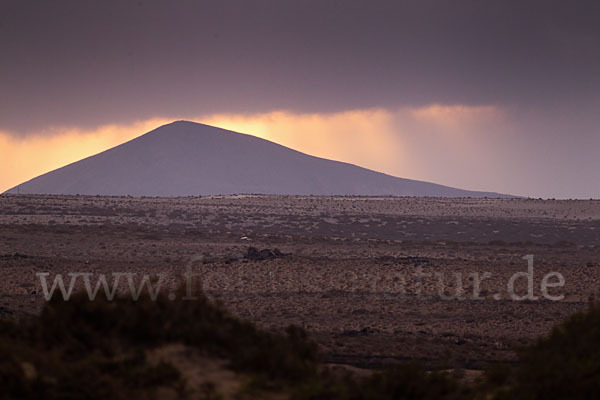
[185, 158]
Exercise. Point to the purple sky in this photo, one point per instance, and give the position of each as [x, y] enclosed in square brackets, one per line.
[86, 64]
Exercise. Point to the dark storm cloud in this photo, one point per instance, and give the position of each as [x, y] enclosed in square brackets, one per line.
[86, 63]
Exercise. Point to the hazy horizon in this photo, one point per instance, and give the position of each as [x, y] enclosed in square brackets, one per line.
[189, 159]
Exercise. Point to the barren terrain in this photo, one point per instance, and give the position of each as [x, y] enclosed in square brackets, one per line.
[342, 267]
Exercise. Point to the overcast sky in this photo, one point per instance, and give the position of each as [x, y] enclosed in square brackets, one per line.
[510, 88]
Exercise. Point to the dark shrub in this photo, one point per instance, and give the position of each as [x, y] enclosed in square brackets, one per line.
[563, 365]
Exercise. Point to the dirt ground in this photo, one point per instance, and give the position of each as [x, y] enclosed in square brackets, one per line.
[358, 273]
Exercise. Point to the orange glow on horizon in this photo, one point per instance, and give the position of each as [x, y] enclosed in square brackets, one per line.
[361, 137]
[26, 158]
[394, 142]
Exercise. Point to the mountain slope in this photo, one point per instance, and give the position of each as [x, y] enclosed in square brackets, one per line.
[186, 158]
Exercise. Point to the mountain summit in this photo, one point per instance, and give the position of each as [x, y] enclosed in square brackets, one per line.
[185, 158]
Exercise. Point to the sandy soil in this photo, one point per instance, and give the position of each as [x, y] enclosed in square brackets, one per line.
[345, 269]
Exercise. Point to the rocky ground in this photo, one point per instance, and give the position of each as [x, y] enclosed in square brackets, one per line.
[358, 273]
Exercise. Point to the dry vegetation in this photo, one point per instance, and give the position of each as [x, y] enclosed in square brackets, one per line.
[329, 269]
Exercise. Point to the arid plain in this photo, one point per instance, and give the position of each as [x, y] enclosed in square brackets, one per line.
[373, 280]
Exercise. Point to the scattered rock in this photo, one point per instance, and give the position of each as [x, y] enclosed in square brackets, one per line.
[363, 332]
[404, 260]
[261, 255]
[29, 371]
[5, 311]
[13, 256]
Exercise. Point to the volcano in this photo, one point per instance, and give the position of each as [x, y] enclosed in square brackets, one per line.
[190, 159]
